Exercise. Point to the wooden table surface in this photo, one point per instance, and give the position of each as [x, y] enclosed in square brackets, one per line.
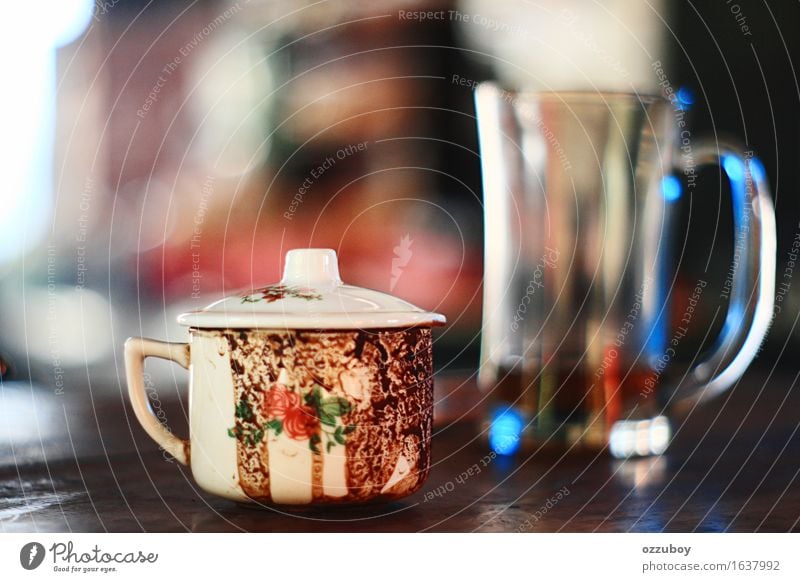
[733, 466]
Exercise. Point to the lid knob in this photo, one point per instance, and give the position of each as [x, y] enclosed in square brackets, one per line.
[311, 268]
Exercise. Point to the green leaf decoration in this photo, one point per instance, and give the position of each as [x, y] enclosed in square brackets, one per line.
[313, 442]
[338, 435]
[327, 419]
[250, 437]
[329, 446]
[330, 407]
[243, 410]
[314, 397]
[275, 425]
[349, 428]
[335, 406]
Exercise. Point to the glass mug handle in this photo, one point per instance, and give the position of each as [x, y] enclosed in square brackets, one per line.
[136, 350]
[752, 286]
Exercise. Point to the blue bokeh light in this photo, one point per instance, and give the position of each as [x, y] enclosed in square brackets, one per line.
[734, 168]
[671, 188]
[505, 431]
[685, 97]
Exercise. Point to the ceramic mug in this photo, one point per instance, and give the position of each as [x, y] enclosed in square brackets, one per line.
[308, 391]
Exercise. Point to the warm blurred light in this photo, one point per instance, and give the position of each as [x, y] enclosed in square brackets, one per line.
[641, 473]
[230, 98]
[26, 418]
[27, 110]
[60, 325]
[63, 20]
[48, 23]
[561, 45]
[632, 438]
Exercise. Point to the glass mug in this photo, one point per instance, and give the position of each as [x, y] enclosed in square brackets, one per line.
[580, 194]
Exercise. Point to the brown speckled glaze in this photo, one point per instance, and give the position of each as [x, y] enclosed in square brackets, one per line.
[384, 375]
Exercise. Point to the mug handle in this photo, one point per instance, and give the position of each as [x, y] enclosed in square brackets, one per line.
[136, 350]
[751, 297]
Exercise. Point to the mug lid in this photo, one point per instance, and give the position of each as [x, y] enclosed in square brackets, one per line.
[311, 295]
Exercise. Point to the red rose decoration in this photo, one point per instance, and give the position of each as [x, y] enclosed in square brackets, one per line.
[300, 423]
[278, 400]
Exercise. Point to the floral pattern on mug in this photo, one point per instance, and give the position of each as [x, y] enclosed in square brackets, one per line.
[367, 431]
[311, 416]
[278, 400]
[272, 293]
[301, 423]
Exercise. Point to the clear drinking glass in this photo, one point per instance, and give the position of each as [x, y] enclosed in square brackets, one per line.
[580, 194]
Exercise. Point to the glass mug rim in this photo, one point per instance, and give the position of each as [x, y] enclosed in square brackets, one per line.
[569, 96]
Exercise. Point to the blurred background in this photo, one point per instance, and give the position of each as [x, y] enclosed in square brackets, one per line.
[157, 156]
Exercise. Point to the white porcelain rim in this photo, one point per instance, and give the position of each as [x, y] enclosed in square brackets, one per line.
[305, 320]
